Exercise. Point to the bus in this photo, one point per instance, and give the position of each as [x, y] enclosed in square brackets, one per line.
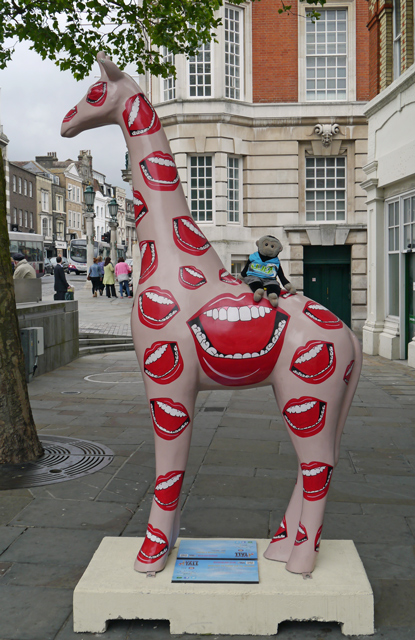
[31, 246]
[77, 253]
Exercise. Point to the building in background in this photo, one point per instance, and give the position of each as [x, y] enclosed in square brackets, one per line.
[268, 131]
[4, 141]
[390, 185]
[119, 195]
[130, 233]
[23, 207]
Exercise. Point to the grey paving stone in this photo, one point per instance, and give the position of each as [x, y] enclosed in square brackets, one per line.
[116, 630]
[392, 509]
[257, 447]
[11, 506]
[229, 523]
[242, 486]
[125, 491]
[391, 463]
[137, 526]
[8, 535]
[394, 603]
[245, 458]
[67, 514]
[387, 561]
[373, 529]
[85, 488]
[33, 613]
[237, 502]
[54, 576]
[267, 434]
[207, 469]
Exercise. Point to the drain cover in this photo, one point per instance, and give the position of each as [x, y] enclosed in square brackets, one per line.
[64, 459]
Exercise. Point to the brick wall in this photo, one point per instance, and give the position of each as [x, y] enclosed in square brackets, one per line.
[362, 52]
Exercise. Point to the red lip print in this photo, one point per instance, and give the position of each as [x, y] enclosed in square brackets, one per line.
[167, 490]
[163, 362]
[348, 372]
[286, 294]
[226, 277]
[160, 172]
[281, 533]
[305, 416]
[191, 278]
[71, 114]
[301, 535]
[139, 116]
[316, 480]
[315, 362]
[155, 546]
[156, 307]
[97, 94]
[322, 316]
[225, 323]
[318, 539]
[170, 418]
[188, 237]
[140, 207]
[149, 259]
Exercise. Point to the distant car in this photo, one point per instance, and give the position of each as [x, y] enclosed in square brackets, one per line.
[47, 266]
[73, 269]
[64, 263]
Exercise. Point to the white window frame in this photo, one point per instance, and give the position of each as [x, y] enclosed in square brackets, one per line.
[212, 79]
[15, 215]
[14, 182]
[31, 219]
[240, 11]
[59, 203]
[20, 185]
[26, 219]
[189, 186]
[164, 88]
[30, 190]
[25, 188]
[45, 226]
[239, 199]
[44, 197]
[316, 188]
[303, 9]
[397, 39]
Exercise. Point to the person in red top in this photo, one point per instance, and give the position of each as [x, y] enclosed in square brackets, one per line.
[122, 273]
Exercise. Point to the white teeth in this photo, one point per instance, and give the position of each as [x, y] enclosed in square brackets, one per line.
[157, 354]
[301, 408]
[209, 314]
[309, 355]
[211, 351]
[247, 355]
[301, 529]
[237, 356]
[134, 111]
[233, 314]
[245, 314]
[152, 558]
[138, 202]
[316, 306]
[192, 227]
[313, 472]
[192, 273]
[222, 314]
[164, 162]
[261, 311]
[255, 312]
[168, 483]
[215, 314]
[156, 180]
[143, 250]
[159, 299]
[170, 410]
[154, 538]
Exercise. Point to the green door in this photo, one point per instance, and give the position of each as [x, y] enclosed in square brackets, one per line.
[327, 279]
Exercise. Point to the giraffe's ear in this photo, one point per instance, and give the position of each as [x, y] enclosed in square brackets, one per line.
[109, 68]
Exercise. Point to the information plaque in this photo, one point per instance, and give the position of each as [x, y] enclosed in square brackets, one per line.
[226, 561]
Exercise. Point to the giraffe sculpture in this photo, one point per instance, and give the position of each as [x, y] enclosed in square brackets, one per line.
[196, 327]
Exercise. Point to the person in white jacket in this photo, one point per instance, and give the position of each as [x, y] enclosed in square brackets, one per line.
[23, 268]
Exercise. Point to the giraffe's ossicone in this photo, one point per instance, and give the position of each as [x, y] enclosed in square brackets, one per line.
[197, 327]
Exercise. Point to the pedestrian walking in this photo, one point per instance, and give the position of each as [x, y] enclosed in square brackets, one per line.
[94, 274]
[122, 272]
[61, 284]
[22, 268]
[101, 266]
[109, 278]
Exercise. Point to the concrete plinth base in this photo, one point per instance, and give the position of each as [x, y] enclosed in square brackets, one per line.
[111, 589]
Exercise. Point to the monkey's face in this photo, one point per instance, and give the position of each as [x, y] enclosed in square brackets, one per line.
[269, 246]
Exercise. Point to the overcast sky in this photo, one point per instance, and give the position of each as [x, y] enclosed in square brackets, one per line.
[35, 96]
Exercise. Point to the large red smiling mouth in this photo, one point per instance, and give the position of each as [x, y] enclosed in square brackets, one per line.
[156, 307]
[305, 416]
[322, 316]
[167, 490]
[163, 362]
[160, 172]
[97, 94]
[140, 207]
[315, 362]
[226, 277]
[222, 326]
[71, 114]
[301, 535]
[149, 259]
[191, 278]
[188, 236]
[154, 546]
[170, 418]
[139, 116]
[316, 480]
[348, 372]
[281, 533]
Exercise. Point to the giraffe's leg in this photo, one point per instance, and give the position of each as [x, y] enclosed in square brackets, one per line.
[172, 416]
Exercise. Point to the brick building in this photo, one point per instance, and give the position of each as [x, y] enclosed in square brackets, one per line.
[268, 131]
[23, 207]
[390, 326]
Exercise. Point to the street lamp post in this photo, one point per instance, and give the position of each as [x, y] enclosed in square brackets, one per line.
[89, 196]
[113, 209]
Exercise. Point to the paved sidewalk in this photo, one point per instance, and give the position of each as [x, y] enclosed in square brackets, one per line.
[240, 475]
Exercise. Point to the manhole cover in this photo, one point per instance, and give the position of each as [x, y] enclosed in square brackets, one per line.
[64, 459]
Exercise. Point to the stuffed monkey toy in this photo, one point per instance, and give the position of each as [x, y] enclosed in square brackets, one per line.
[262, 269]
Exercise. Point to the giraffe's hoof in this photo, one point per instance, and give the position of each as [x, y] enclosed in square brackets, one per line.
[258, 295]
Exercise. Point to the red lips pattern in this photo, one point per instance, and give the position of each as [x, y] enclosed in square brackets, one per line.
[167, 490]
[226, 277]
[155, 546]
[191, 278]
[71, 114]
[301, 536]
[315, 362]
[170, 418]
[322, 316]
[348, 372]
[160, 172]
[163, 362]
[305, 416]
[97, 94]
[318, 539]
[281, 532]
[316, 480]
[149, 259]
[139, 116]
[225, 323]
[140, 207]
[188, 237]
[156, 307]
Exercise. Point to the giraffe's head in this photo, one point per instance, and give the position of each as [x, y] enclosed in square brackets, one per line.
[104, 102]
